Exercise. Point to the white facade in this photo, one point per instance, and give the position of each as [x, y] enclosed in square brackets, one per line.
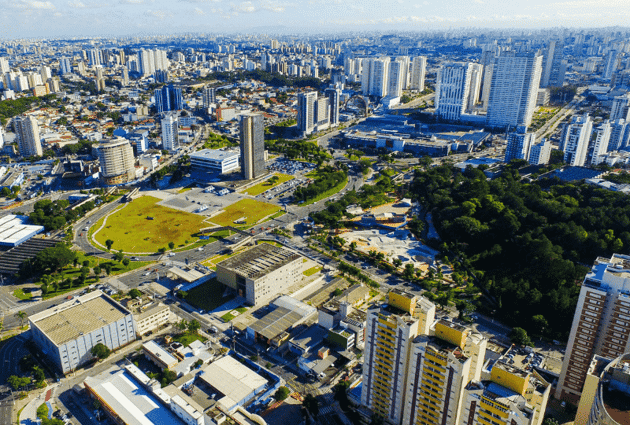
[518, 145]
[453, 89]
[117, 161]
[151, 319]
[476, 74]
[575, 139]
[397, 78]
[306, 112]
[170, 141]
[215, 160]
[620, 108]
[375, 76]
[540, 153]
[27, 131]
[600, 147]
[418, 72]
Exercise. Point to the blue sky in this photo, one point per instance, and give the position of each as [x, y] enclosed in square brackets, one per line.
[41, 18]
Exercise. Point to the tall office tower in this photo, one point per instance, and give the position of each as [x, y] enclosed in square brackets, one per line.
[600, 324]
[209, 96]
[440, 367]
[333, 94]
[519, 143]
[65, 67]
[406, 75]
[160, 61]
[4, 65]
[452, 91]
[168, 98]
[94, 57]
[600, 145]
[252, 136]
[125, 76]
[306, 112]
[390, 330]
[322, 113]
[575, 139]
[170, 140]
[45, 72]
[515, 81]
[610, 64]
[540, 153]
[619, 134]
[508, 396]
[396, 80]
[620, 107]
[375, 76]
[476, 74]
[27, 132]
[552, 65]
[117, 161]
[418, 72]
[486, 85]
[578, 45]
[146, 62]
[160, 76]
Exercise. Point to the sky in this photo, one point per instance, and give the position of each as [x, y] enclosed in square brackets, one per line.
[68, 18]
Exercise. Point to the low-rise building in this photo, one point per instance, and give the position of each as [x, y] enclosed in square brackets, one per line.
[154, 316]
[158, 355]
[215, 160]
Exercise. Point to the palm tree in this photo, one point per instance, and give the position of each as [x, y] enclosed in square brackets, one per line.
[22, 316]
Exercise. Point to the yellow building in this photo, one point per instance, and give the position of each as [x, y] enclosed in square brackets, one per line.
[390, 331]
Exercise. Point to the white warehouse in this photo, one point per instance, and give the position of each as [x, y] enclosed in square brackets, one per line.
[215, 160]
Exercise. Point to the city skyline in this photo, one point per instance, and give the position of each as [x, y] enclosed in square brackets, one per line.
[57, 18]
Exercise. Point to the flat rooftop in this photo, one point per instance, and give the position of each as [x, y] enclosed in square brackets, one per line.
[213, 155]
[232, 379]
[273, 324]
[13, 230]
[259, 260]
[79, 316]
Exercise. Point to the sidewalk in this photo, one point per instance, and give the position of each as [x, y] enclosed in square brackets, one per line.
[28, 416]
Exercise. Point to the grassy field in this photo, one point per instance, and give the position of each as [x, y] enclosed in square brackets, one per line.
[249, 209]
[20, 294]
[312, 271]
[187, 338]
[330, 192]
[266, 185]
[207, 296]
[132, 231]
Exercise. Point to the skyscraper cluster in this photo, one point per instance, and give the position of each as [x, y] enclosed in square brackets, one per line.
[386, 77]
[150, 61]
[317, 113]
[168, 98]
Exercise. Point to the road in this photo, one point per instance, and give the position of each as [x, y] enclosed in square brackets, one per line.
[551, 125]
[415, 102]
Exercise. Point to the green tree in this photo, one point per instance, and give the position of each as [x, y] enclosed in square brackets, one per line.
[38, 374]
[168, 377]
[281, 394]
[22, 316]
[194, 326]
[97, 270]
[100, 351]
[109, 243]
[135, 293]
[539, 324]
[119, 256]
[125, 262]
[311, 404]
[171, 245]
[18, 382]
[519, 336]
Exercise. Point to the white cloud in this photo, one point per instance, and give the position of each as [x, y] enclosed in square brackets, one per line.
[198, 11]
[479, 1]
[245, 7]
[160, 14]
[132, 1]
[33, 4]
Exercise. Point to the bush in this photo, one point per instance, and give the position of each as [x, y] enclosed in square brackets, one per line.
[281, 394]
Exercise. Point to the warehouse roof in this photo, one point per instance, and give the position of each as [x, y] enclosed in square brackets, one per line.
[79, 316]
[273, 324]
[259, 260]
[13, 230]
[213, 155]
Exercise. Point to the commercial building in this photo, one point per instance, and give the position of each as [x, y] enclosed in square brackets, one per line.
[575, 139]
[209, 96]
[27, 132]
[452, 91]
[540, 153]
[261, 273]
[14, 230]
[418, 72]
[117, 161]
[334, 95]
[514, 88]
[215, 160]
[553, 69]
[600, 325]
[168, 98]
[158, 355]
[152, 318]
[170, 140]
[390, 329]
[252, 135]
[519, 144]
[67, 332]
[306, 113]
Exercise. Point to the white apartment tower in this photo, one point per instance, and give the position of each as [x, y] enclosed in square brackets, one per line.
[600, 146]
[306, 112]
[27, 131]
[553, 69]
[519, 144]
[620, 108]
[375, 76]
[540, 153]
[476, 74]
[397, 78]
[169, 132]
[575, 139]
[418, 72]
[4, 65]
[453, 89]
[515, 81]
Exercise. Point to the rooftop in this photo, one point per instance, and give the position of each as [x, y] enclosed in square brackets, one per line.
[79, 316]
[259, 260]
[275, 323]
[213, 155]
[13, 229]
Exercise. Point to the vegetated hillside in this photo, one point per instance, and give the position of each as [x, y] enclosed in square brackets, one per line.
[529, 244]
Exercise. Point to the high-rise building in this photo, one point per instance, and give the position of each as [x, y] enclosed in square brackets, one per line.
[418, 72]
[94, 57]
[117, 161]
[600, 145]
[619, 134]
[45, 72]
[27, 131]
[515, 81]
[375, 76]
[146, 62]
[170, 141]
[575, 139]
[476, 74]
[124, 76]
[620, 108]
[453, 89]
[552, 68]
[397, 78]
[65, 67]
[306, 112]
[168, 98]
[4, 65]
[519, 144]
[390, 330]
[610, 64]
[540, 153]
[209, 96]
[600, 326]
[252, 134]
[333, 94]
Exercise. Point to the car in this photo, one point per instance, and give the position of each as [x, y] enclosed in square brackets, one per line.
[146, 273]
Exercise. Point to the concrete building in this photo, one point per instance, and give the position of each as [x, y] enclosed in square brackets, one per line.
[600, 325]
[600, 145]
[397, 77]
[158, 355]
[252, 135]
[610, 64]
[515, 81]
[27, 132]
[452, 91]
[620, 108]
[334, 95]
[14, 230]
[209, 96]
[168, 98]
[553, 69]
[375, 76]
[540, 153]
[306, 114]
[170, 139]
[117, 161]
[67, 332]
[261, 273]
[152, 318]
[215, 160]
[476, 74]
[575, 139]
[418, 73]
[390, 329]
[519, 144]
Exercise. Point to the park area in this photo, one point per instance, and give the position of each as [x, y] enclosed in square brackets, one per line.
[142, 226]
[270, 183]
[247, 212]
[207, 296]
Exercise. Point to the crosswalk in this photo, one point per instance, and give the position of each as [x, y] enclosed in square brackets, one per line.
[326, 401]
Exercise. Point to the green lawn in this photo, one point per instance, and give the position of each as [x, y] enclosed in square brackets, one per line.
[274, 243]
[20, 294]
[144, 226]
[266, 185]
[248, 209]
[207, 296]
[330, 192]
[227, 317]
[312, 271]
[187, 338]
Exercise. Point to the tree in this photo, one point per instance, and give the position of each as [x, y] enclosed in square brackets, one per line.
[38, 374]
[53, 259]
[171, 245]
[109, 243]
[125, 262]
[18, 382]
[100, 351]
[86, 263]
[311, 404]
[168, 376]
[22, 316]
[194, 326]
[539, 323]
[281, 394]
[108, 268]
[97, 270]
[409, 271]
[341, 394]
[397, 262]
[182, 325]
[550, 421]
[134, 293]
[519, 336]
[119, 256]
